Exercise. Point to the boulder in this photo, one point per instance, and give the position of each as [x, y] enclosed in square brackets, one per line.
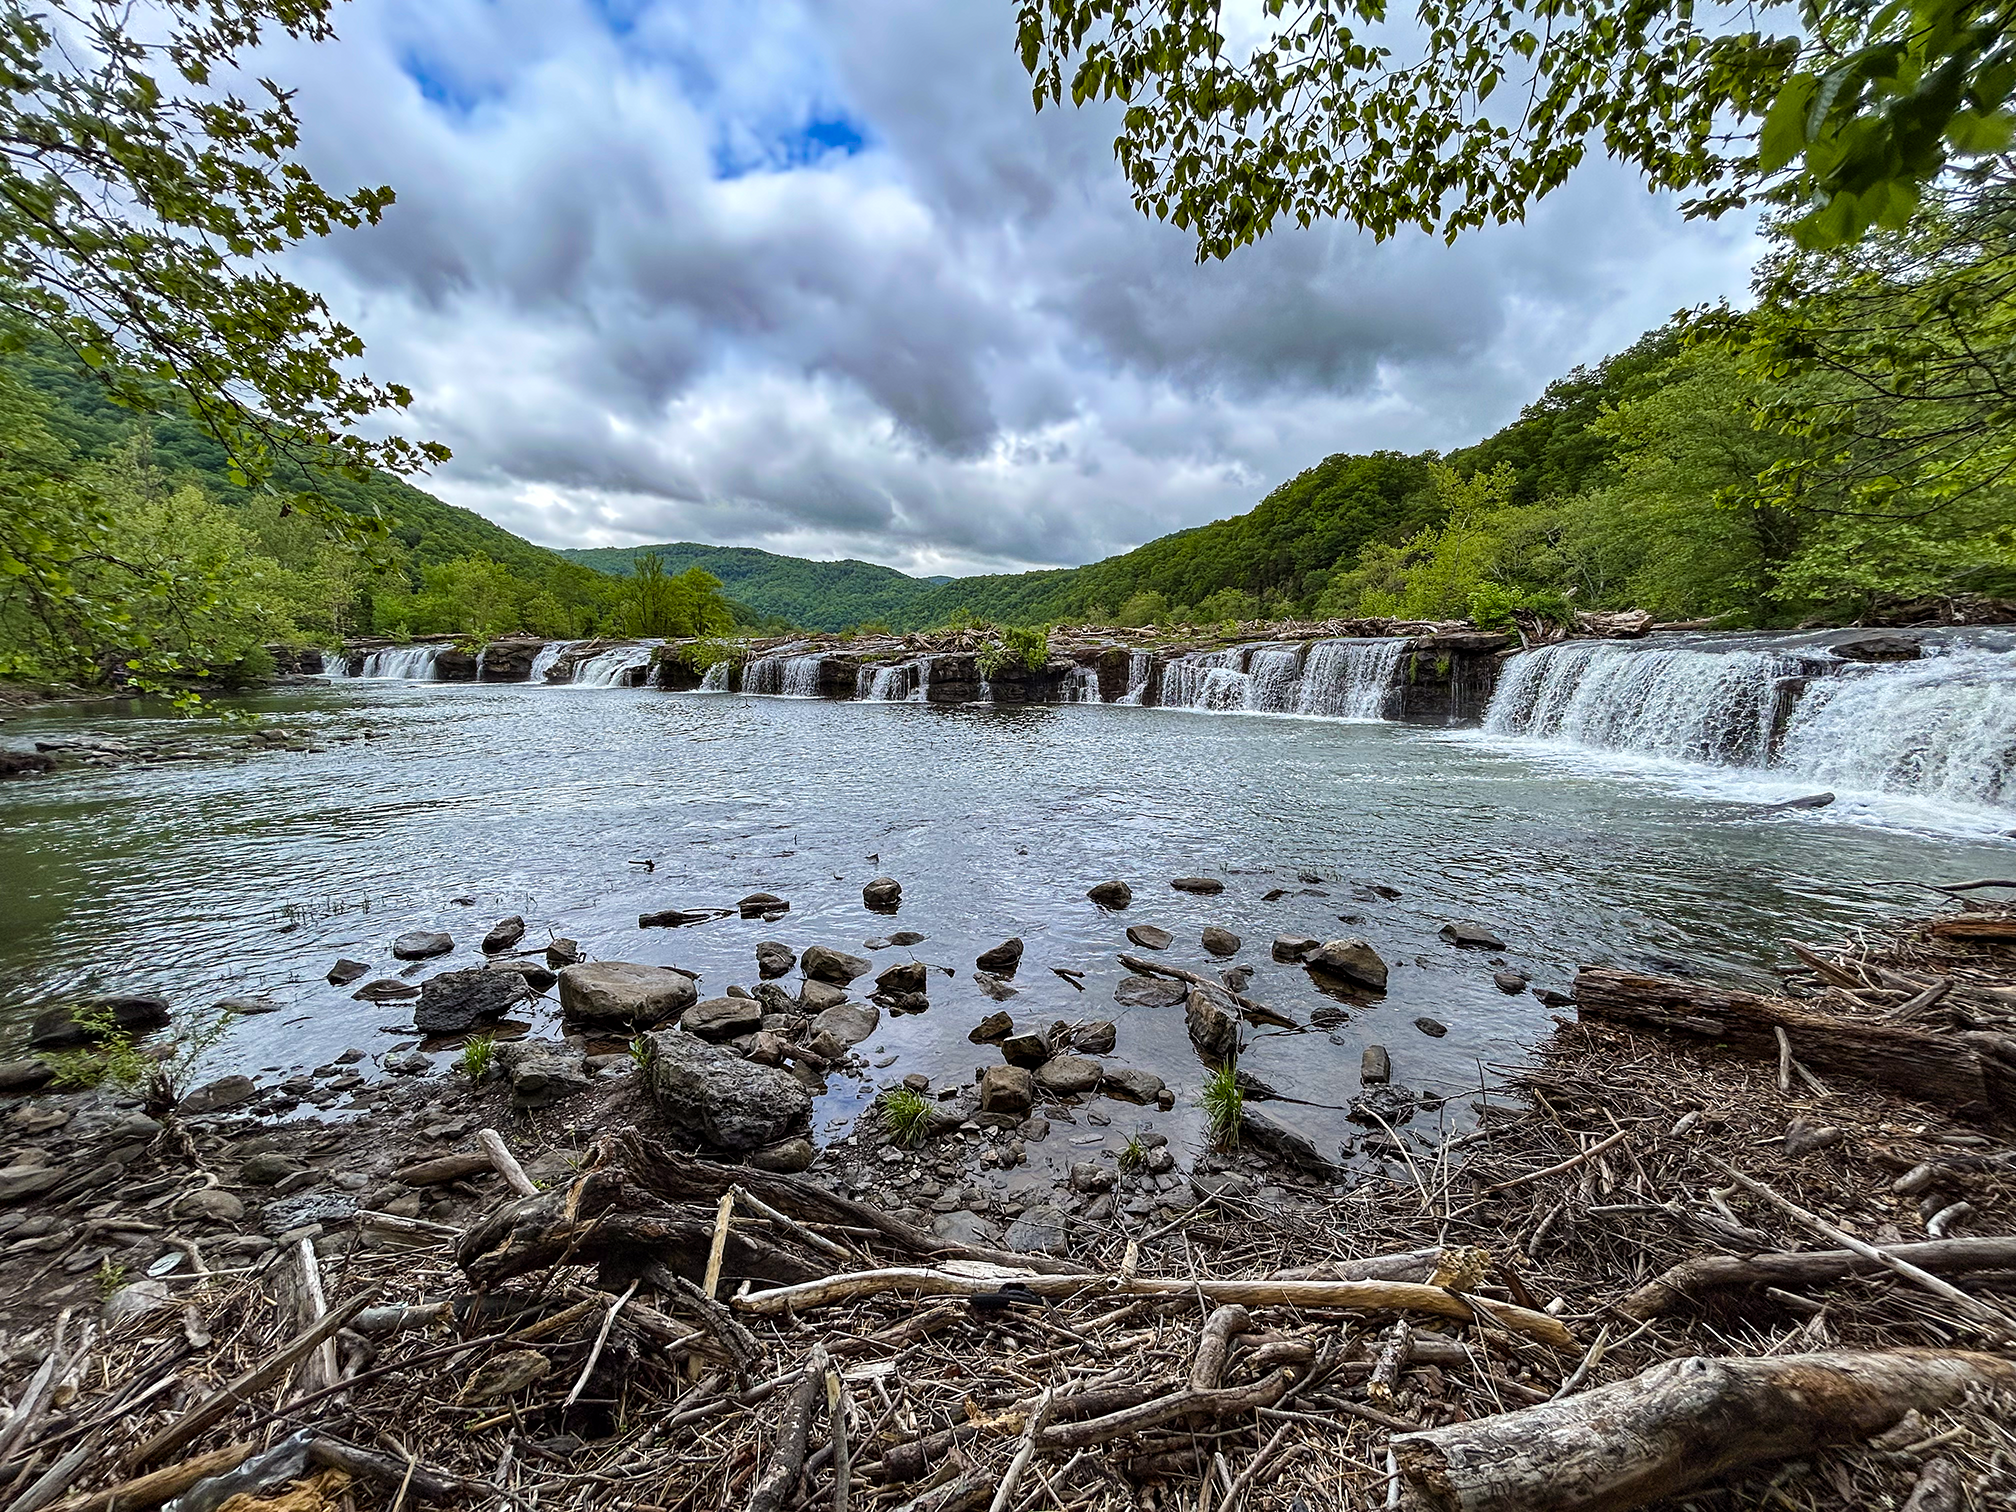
[722, 1018]
[774, 959]
[246, 1007]
[776, 1001]
[564, 952]
[1002, 959]
[1213, 1024]
[1097, 1037]
[676, 918]
[994, 987]
[1433, 1028]
[1040, 1231]
[535, 976]
[822, 963]
[624, 994]
[422, 944]
[1131, 1083]
[455, 1002]
[386, 990]
[883, 894]
[1468, 934]
[762, 905]
[817, 997]
[25, 763]
[847, 1023]
[964, 1226]
[992, 1029]
[1375, 1066]
[1091, 1176]
[906, 938]
[1110, 894]
[909, 976]
[1880, 648]
[1264, 1131]
[27, 1074]
[504, 935]
[214, 1097]
[1007, 1090]
[1148, 937]
[542, 1071]
[718, 1099]
[1025, 1049]
[1205, 887]
[787, 1155]
[1293, 948]
[346, 971]
[1068, 1076]
[1511, 983]
[1149, 992]
[1352, 961]
[83, 1023]
[1221, 942]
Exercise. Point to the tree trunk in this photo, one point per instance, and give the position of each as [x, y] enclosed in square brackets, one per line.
[1679, 1424]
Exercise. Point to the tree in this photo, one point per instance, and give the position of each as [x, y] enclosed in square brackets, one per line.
[1846, 114]
[658, 603]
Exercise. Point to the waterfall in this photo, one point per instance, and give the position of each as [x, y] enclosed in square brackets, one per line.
[801, 676]
[482, 652]
[612, 668]
[407, 663]
[784, 676]
[715, 679]
[1082, 685]
[922, 692]
[1140, 670]
[1940, 730]
[1336, 679]
[544, 658]
[884, 683]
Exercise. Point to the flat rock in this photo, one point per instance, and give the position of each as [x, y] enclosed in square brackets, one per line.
[1096, 1037]
[722, 1018]
[76, 1024]
[822, 963]
[847, 1023]
[1149, 992]
[1468, 934]
[346, 971]
[1221, 942]
[1114, 894]
[1039, 1231]
[906, 937]
[994, 987]
[1131, 1083]
[1007, 1090]
[1068, 1075]
[907, 976]
[676, 918]
[1213, 1023]
[625, 993]
[214, 1097]
[1206, 887]
[1001, 959]
[386, 990]
[1293, 948]
[1353, 961]
[991, 1030]
[882, 893]
[455, 1002]
[964, 1226]
[422, 944]
[20, 1182]
[774, 959]
[504, 934]
[285, 1214]
[716, 1097]
[541, 1072]
[1148, 937]
[1433, 1028]
[246, 1007]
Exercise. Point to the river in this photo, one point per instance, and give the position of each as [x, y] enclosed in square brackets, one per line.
[468, 802]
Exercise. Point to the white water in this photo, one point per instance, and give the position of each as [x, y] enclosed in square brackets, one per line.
[402, 663]
[715, 678]
[883, 683]
[784, 676]
[1336, 679]
[1081, 685]
[1922, 742]
[611, 669]
[1140, 668]
[544, 658]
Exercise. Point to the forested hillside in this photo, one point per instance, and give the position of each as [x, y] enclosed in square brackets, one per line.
[814, 595]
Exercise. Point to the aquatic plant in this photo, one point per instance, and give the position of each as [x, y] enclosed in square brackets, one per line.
[1222, 1102]
[479, 1054]
[906, 1115]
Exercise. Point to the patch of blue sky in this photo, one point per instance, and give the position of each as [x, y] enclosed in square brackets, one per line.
[743, 148]
[441, 86]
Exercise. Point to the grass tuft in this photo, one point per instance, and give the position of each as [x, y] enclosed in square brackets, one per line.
[1222, 1102]
[479, 1054]
[906, 1115]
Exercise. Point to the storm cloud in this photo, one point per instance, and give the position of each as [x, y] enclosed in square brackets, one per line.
[816, 277]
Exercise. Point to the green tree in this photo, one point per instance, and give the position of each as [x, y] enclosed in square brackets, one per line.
[1845, 113]
[659, 603]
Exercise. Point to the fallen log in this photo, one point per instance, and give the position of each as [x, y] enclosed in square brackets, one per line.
[1969, 1076]
[1975, 926]
[1693, 1280]
[1373, 1296]
[158, 1486]
[1677, 1425]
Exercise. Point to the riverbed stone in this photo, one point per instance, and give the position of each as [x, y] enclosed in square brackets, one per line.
[907, 976]
[22, 1181]
[210, 1205]
[1375, 1066]
[422, 944]
[1353, 961]
[882, 893]
[1204, 887]
[817, 997]
[1264, 1131]
[788, 1156]
[762, 905]
[1091, 1176]
[1468, 934]
[24, 1075]
[564, 952]
[504, 935]
[1221, 942]
[534, 975]
[992, 1029]
[994, 987]
[1148, 937]
[822, 963]
[1025, 1048]
[454, 1002]
[625, 993]
[774, 958]
[1433, 1028]
[1511, 983]
[1007, 1090]
[1068, 1076]
[1039, 1231]
[713, 1095]
[268, 1168]
[216, 1096]
[1149, 992]
[346, 971]
[542, 1071]
[1292, 948]
[1096, 1037]
[722, 1018]
[1213, 1023]
[1001, 959]
[386, 990]
[1114, 894]
[1131, 1083]
[79, 1023]
[847, 1023]
[964, 1226]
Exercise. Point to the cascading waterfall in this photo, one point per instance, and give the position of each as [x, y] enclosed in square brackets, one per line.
[1140, 675]
[399, 663]
[883, 683]
[1941, 729]
[1081, 685]
[715, 678]
[1338, 679]
[544, 658]
[612, 668]
[921, 693]
[782, 676]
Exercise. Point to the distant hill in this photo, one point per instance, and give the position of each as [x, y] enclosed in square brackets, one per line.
[815, 595]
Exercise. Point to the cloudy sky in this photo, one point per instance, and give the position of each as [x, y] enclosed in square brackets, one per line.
[811, 275]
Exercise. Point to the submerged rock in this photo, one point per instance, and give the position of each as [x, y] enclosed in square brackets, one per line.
[1207, 887]
[422, 944]
[719, 1099]
[1221, 942]
[994, 987]
[1148, 937]
[884, 893]
[84, 1023]
[847, 1023]
[346, 971]
[1001, 959]
[1114, 894]
[822, 963]
[504, 934]
[1353, 961]
[1468, 934]
[386, 990]
[246, 1007]
[625, 994]
[774, 959]
[1433, 1028]
[1149, 992]
[455, 1002]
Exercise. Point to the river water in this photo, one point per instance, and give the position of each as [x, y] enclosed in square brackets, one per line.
[204, 880]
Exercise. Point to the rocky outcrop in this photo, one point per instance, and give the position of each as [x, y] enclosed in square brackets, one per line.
[1449, 678]
[623, 994]
[1352, 961]
[717, 1099]
[510, 660]
[455, 1002]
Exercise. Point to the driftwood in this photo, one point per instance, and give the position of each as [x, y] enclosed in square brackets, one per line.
[1693, 1280]
[1258, 1010]
[1968, 1075]
[158, 1486]
[1374, 1296]
[787, 1457]
[443, 1168]
[1679, 1424]
[640, 1203]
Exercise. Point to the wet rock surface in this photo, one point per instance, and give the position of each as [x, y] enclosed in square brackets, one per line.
[454, 1002]
[620, 994]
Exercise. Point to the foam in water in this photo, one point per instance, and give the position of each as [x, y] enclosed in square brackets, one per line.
[544, 658]
[715, 678]
[612, 668]
[1140, 668]
[401, 663]
[1337, 679]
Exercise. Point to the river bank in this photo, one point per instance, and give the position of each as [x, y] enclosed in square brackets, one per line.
[1579, 1222]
